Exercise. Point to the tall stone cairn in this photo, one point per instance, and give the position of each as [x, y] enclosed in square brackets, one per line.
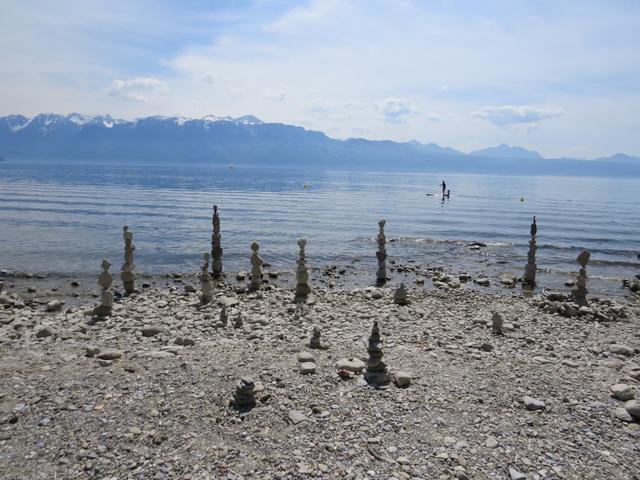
[256, 267]
[216, 249]
[376, 373]
[381, 275]
[302, 275]
[530, 268]
[128, 274]
[205, 281]
[106, 297]
[579, 291]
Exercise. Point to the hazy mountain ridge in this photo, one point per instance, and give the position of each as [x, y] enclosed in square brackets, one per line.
[506, 151]
[247, 140]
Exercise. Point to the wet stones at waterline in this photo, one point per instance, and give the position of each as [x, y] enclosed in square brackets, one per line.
[530, 268]
[256, 267]
[216, 248]
[579, 291]
[128, 275]
[376, 373]
[205, 281]
[244, 395]
[400, 295]
[302, 275]
[106, 297]
[381, 254]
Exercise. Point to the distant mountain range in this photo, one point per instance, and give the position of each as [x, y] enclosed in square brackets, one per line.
[249, 141]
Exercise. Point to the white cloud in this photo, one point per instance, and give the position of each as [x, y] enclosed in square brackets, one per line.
[138, 89]
[300, 19]
[337, 111]
[276, 93]
[507, 115]
[395, 110]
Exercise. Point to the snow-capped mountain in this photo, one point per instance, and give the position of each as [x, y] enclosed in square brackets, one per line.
[247, 140]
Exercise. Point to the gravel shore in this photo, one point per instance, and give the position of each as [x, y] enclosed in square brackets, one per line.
[145, 393]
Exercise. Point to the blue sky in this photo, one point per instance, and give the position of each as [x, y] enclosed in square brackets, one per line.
[561, 77]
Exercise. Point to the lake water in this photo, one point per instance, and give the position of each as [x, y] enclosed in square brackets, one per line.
[64, 218]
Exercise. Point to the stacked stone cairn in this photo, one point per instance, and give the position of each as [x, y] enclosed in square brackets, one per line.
[381, 275]
[244, 396]
[496, 323]
[256, 267]
[106, 297]
[529, 277]
[315, 342]
[302, 275]
[127, 274]
[400, 295]
[224, 319]
[216, 249]
[238, 322]
[205, 281]
[579, 291]
[376, 373]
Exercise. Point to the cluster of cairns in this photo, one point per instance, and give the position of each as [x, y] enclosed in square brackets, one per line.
[575, 304]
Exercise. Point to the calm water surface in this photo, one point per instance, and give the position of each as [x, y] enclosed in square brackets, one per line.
[65, 218]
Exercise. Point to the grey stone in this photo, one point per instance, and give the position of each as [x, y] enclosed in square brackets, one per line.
[622, 415]
[110, 355]
[533, 404]
[622, 391]
[402, 379]
[296, 417]
[516, 475]
[620, 349]
[633, 407]
[44, 332]
[307, 368]
[351, 364]
[54, 306]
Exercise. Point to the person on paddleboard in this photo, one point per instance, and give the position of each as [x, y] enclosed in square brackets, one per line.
[444, 188]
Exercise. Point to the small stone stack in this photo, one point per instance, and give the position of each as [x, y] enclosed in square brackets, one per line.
[128, 275]
[106, 297]
[579, 292]
[315, 342]
[302, 275]
[205, 281]
[381, 275]
[376, 373]
[400, 295]
[256, 267]
[496, 323]
[244, 396]
[238, 322]
[530, 268]
[216, 249]
[224, 319]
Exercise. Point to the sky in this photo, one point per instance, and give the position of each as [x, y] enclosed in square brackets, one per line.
[559, 77]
